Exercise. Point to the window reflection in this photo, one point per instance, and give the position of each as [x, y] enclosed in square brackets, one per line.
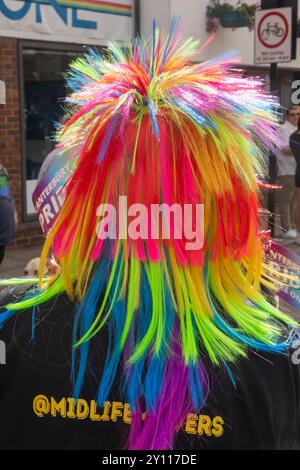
[44, 91]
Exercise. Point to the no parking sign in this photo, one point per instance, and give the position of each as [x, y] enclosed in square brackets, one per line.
[273, 36]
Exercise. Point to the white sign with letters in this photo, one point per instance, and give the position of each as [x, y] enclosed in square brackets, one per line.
[273, 36]
[70, 21]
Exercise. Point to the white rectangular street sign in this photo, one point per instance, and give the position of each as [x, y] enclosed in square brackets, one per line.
[2, 92]
[67, 21]
[273, 36]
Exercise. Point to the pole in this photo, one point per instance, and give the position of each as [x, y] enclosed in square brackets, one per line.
[272, 160]
[137, 18]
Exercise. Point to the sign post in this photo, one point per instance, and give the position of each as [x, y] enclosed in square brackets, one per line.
[273, 36]
[275, 42]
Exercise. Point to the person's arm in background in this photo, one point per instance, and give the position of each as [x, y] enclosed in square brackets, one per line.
[16, 218]
[7, 211]
[285, 137]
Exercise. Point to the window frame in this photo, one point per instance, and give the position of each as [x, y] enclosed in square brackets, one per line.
[42, 46]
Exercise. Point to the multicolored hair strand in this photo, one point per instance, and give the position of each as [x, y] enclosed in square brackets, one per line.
[151, 122]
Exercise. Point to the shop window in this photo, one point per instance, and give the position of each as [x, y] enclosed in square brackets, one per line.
[44, 89]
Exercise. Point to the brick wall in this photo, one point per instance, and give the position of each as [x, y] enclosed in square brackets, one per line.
[28, 233]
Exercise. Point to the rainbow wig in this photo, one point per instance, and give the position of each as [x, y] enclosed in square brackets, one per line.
[151, 123]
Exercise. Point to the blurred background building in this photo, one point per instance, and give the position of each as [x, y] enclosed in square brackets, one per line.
[39, 38]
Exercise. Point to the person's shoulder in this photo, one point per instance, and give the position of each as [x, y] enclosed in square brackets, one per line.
[57, 305]
[12, 294]
[272, 368]
[284, 128]
[295, 137]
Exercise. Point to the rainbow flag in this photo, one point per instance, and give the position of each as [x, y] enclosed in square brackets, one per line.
[113, 8]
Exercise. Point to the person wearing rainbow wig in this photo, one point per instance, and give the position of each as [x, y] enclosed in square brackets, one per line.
[183, 340]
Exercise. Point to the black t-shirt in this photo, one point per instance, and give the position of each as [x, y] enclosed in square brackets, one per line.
[295, 146]
[37, 411]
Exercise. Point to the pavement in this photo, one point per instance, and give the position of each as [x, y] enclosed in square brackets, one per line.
[16, 259]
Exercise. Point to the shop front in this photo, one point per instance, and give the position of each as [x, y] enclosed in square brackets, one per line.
[39, 38]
